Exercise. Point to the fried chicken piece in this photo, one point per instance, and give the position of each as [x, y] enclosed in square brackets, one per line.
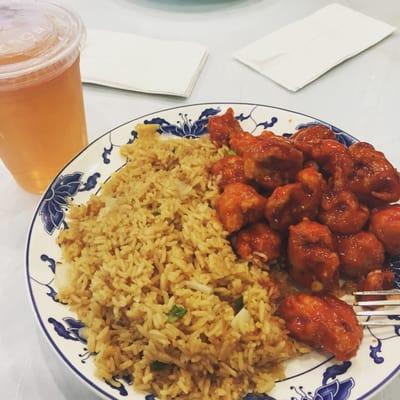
[342, 212]
[359, 253]
[312, 164]
[240, 142]
[376, 280]
[289, 204]
[323, 321]
[333, 157]
[272, 161]
[375, 181]
[220, 127]
[311, 252]
[284, 207]
[266, 134]
[385, 224]
[313, 183]
[313, 132]
[230, 169]
[258, 241]
[239, 205]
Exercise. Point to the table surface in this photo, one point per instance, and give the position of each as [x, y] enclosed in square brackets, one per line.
[359, 96]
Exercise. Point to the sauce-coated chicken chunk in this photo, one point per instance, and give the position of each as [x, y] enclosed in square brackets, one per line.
[258, 241]
[229, 169]
[359, 253]
[375, 181]
[385, 224]
[376, 280]
[290, 203]
[312, 133]
[311, 252]
[220, 127]
[240, 142]
[272, 161]
[239, 205]
[342, 212]
[333, 157]
[323, 322]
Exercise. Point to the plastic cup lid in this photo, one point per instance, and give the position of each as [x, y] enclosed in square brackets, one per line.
[36, 37]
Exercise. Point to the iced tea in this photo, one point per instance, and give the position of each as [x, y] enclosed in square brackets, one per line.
[42, 122]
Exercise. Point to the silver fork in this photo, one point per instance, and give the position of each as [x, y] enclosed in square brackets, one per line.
[386, 312]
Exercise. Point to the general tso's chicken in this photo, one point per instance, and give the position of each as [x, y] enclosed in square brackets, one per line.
[313, 132]
[266, 134]
[239, 205]
[284, 207]
[241, 141]
[312, 182]
[311, 253]
[258, 241]
[342, 212]
[290, 203]
[385, 224]
[230, 170]
[333, 157]
[323, 322]
[311, 163]
[359, 253]
[272, 161]
[220, 127]
[375, 181]
[376, 280]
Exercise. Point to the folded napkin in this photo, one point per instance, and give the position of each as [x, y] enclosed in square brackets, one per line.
[302, 51]
[133, 62]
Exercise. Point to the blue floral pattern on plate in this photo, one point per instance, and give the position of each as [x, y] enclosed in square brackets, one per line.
[72, 330]
[185, 127]
[51, 263]
[324, 380]
[107, 150]
[57, 196]
[265, 124]
[55, 200]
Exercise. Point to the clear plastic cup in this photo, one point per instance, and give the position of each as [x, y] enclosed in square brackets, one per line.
[42, 120]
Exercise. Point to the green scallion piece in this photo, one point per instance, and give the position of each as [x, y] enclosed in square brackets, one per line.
[238, 304]
[157, 366]
[176, 313]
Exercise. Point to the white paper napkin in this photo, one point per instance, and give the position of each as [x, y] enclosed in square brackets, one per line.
[302, 51]
[133, 62]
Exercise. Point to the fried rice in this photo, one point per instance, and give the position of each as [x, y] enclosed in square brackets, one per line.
[153, 276]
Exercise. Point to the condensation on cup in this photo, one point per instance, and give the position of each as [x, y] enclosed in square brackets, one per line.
[42, 119]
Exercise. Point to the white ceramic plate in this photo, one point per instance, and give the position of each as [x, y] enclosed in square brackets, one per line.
[315, 376]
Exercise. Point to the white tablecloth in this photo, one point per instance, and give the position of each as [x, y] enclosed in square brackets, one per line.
[360, 96]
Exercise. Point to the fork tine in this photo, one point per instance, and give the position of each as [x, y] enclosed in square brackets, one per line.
[378, 303]
[378, 292]
[382, 323]
[378, 313]
[375, 313]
